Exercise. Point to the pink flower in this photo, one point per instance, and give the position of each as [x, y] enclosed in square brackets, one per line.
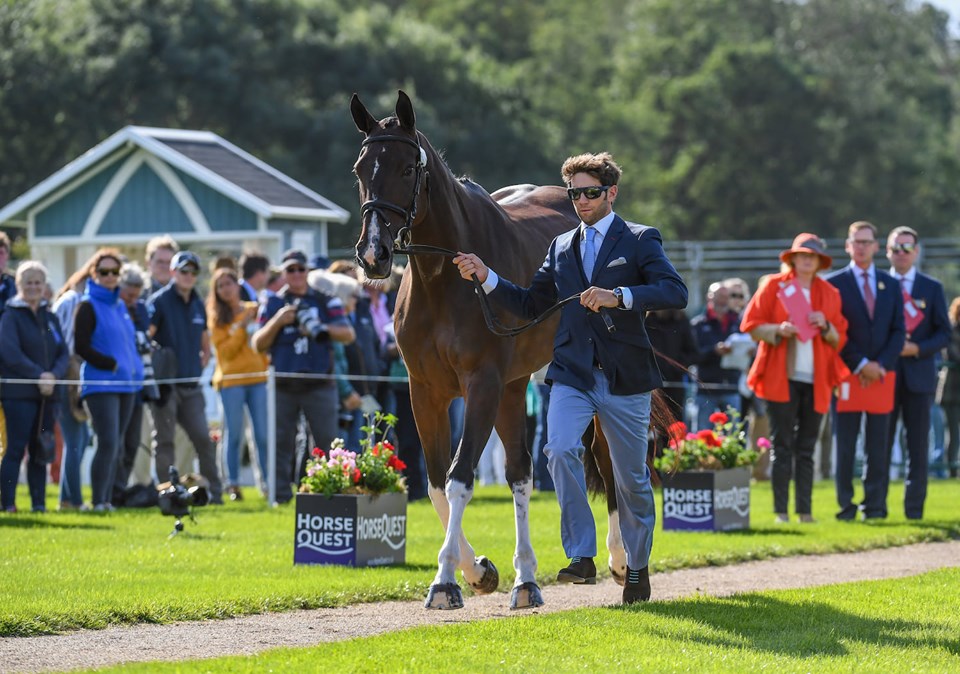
[763, 443]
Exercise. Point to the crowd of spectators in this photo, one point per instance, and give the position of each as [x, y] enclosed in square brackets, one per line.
[329, 335]
[113, 331]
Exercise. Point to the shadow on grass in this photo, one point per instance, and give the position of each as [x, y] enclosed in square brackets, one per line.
[799, 629]
[46, 522]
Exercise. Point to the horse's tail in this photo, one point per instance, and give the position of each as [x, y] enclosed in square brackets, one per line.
[598, 468]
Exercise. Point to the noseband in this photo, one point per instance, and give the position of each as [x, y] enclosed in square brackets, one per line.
[402, 236]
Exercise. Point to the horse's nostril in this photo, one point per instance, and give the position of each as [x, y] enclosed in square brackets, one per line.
[383, 253]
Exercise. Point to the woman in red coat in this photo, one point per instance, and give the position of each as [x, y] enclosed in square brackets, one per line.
[797, 364]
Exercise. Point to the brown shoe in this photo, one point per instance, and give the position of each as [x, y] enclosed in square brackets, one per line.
[582, 571]
[637, 585]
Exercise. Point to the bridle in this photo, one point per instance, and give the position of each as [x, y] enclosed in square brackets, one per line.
[402, 236]
[403, 245]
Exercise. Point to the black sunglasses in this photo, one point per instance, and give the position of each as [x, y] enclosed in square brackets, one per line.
[295, 270]
[592, 192]
[736, 296]
[108, 272]
[190, 271]
[903, 247]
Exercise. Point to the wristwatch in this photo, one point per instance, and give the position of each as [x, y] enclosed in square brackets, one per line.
[618, 293]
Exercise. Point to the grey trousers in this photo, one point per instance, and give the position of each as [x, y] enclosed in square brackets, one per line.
[319, 406]
[185, 407]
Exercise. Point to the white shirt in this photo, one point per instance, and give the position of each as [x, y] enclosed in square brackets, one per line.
[871, 275]
[906, 281]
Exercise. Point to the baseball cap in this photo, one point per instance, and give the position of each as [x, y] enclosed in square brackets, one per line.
[293, 257]
[184, 259]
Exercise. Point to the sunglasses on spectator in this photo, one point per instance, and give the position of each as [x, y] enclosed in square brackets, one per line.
[108, 272]
[593, 192]
[293, 269]
[902, 247]
[190, 270]
[736, 296]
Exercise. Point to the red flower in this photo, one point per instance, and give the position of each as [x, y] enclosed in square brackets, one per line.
[676, 431]
[317, 452]
[709, 438]
[388, 446]
[396, 464]
[376, 450]
[719, 418]
[356, 475]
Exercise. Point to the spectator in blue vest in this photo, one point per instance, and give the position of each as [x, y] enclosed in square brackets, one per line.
[717, 384]
[31, 347]
[112, 372]
[178, 321]
[296, 327]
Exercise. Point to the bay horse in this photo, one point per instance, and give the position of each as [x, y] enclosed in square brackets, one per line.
[408, 195]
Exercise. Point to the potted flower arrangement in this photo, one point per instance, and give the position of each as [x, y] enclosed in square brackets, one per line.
[351, 506]
[706, 475]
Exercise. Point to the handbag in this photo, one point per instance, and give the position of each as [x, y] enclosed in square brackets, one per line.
[77, 409]
[43, 445]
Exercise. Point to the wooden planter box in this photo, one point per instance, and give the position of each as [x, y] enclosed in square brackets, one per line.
[707, 500]
[352, 530]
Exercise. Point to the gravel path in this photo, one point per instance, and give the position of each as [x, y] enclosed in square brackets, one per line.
[253, 634]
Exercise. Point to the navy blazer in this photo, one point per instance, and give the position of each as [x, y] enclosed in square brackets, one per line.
[919, 373]
[631, 256]
[880, 339]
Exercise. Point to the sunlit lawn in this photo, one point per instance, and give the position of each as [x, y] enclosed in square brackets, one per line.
[69, 570]
[901, 625]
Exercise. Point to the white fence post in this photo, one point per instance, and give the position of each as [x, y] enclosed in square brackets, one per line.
[272, 436]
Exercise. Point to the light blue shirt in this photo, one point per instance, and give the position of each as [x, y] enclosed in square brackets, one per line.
[602, 227]
[906, 281]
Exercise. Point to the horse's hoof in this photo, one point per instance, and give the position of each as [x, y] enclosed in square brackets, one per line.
[490, 580]
[526, 595]
[444, 597]
[617, 576]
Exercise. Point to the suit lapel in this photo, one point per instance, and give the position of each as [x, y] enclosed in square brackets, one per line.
[609, 242]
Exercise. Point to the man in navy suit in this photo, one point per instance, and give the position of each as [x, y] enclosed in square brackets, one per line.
[916, 370]
[614, 265]
[873, 307]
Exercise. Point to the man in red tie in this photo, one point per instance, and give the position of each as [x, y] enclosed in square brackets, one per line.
[928, 331]
[873, 307]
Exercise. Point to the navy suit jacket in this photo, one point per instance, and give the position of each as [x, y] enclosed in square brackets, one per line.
[880, 339]
[919, 373]
[631, 256]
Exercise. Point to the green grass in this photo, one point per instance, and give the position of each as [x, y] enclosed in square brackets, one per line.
[77, 570]
[886, 626]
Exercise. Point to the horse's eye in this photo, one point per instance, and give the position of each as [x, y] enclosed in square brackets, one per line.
[408, 171]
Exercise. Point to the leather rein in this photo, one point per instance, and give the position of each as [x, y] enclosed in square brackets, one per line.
[403, 245]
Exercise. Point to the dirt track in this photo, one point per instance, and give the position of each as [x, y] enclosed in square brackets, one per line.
[116, 645]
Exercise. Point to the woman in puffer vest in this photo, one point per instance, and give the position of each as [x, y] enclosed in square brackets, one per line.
[112, 372]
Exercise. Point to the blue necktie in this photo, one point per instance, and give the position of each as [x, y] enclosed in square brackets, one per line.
[589, 253]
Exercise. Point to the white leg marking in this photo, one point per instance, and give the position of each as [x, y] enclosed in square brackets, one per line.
[458, 496]
[524, 560]
[472, 571]
[617, 561]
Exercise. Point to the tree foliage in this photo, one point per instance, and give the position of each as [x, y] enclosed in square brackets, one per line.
[732, 119]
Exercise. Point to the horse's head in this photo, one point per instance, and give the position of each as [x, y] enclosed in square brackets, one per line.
[391, 170]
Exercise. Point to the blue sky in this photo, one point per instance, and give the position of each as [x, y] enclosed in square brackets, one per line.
[952, 6]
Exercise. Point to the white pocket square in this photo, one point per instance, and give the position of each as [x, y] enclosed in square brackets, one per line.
[616, 263]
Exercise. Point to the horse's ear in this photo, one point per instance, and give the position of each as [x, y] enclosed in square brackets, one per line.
[408, 120]
[361, 117]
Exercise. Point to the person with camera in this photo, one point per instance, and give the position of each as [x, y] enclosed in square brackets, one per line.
[231, 322]
[178, 322]
[296, 327]
[112, 372]
[31, 347]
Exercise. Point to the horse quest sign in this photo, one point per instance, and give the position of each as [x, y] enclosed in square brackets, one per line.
[352, 530]
[707, 500]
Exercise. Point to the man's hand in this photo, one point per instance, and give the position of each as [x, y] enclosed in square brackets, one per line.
[352, 401]
[871, 372]
[910, 349]
[469, 264]
[286, 316]
[593, 298]
[46, 384]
